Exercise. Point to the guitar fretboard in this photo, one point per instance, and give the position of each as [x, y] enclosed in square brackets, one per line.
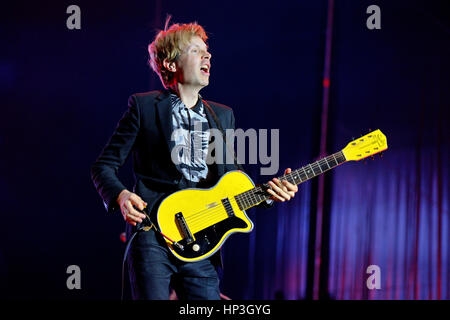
[258, 194]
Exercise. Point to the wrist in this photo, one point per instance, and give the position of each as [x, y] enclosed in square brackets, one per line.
[124, 193]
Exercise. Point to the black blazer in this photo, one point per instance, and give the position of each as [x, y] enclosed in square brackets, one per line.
[145, 131]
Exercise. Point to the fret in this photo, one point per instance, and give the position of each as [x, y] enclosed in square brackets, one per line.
[332, 161]
[297, 177]
[249, 199]
[342, 156]
[302, 175]
[323, 167]
[338, 158]
[315, 171]
[334, 157]
[326, 161]
[310, 171]
[290, 178]
[238, 201]
[258, 195]
[318, 165]
[245, 200]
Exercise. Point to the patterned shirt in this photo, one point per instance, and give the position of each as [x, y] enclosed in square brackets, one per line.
[190, 137]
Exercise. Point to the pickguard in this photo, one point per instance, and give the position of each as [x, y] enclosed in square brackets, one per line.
[207, 239]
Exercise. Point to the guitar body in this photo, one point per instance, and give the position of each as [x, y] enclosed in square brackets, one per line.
[200, 220]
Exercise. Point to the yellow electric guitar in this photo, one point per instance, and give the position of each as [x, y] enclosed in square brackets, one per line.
[196, 222]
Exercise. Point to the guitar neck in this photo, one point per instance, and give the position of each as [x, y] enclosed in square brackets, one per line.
[258, 194]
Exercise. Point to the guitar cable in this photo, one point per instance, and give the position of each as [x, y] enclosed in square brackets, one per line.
[146, 225]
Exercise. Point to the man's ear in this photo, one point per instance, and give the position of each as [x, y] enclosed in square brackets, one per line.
[171, 66]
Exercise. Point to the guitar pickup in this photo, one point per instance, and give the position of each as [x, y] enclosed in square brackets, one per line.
[183, 227]
[228, 208]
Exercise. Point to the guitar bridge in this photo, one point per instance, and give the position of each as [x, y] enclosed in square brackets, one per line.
[184, 230]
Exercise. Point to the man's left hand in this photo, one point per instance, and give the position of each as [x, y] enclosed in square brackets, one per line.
[282, 190]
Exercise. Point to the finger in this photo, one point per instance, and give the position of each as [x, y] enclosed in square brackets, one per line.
[291, 193]
[275, 196]
[275, 187]
[280, 191]
[138, 202]
[133, 212]
[290, 186]
[140, 214]
[127, 216]
[134, 219]
[283, 189]
[284, 192]
[279, 184]
[288, 170]
[131, 222]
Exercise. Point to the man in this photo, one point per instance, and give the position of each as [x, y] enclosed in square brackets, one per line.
[179, 55]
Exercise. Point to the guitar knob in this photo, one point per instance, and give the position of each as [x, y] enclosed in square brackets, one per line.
[195, 247]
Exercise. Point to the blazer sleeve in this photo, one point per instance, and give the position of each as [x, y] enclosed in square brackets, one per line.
[114, 154]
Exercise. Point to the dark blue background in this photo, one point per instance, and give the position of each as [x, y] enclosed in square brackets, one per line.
[63, 91]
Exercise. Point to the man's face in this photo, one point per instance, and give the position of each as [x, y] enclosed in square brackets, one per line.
[194, 63]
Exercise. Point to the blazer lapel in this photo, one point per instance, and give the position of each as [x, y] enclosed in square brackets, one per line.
[213, 125]
[164, 110]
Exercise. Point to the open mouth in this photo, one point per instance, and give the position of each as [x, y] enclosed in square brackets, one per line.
[205, 69]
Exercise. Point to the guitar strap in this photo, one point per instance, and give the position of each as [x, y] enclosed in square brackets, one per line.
[216, 120]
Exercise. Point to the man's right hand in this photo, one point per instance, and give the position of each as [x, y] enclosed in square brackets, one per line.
[126, 201]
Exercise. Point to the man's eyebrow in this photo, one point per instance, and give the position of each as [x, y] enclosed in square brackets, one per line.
[196, 45]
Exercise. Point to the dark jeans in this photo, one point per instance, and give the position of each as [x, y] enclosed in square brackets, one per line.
[153, 269]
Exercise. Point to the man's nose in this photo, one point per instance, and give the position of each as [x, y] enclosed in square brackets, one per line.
[207, 55]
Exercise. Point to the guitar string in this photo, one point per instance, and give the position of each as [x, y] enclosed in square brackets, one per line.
[221, 214]
[250, 197]
[191, 216]
[212, 211]
[298, 174]
[208, 212]
[197, 215]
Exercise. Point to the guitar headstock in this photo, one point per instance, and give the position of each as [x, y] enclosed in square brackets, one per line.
[365, 146]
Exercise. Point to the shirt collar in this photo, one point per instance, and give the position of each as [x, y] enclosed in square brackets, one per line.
[176, 101]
